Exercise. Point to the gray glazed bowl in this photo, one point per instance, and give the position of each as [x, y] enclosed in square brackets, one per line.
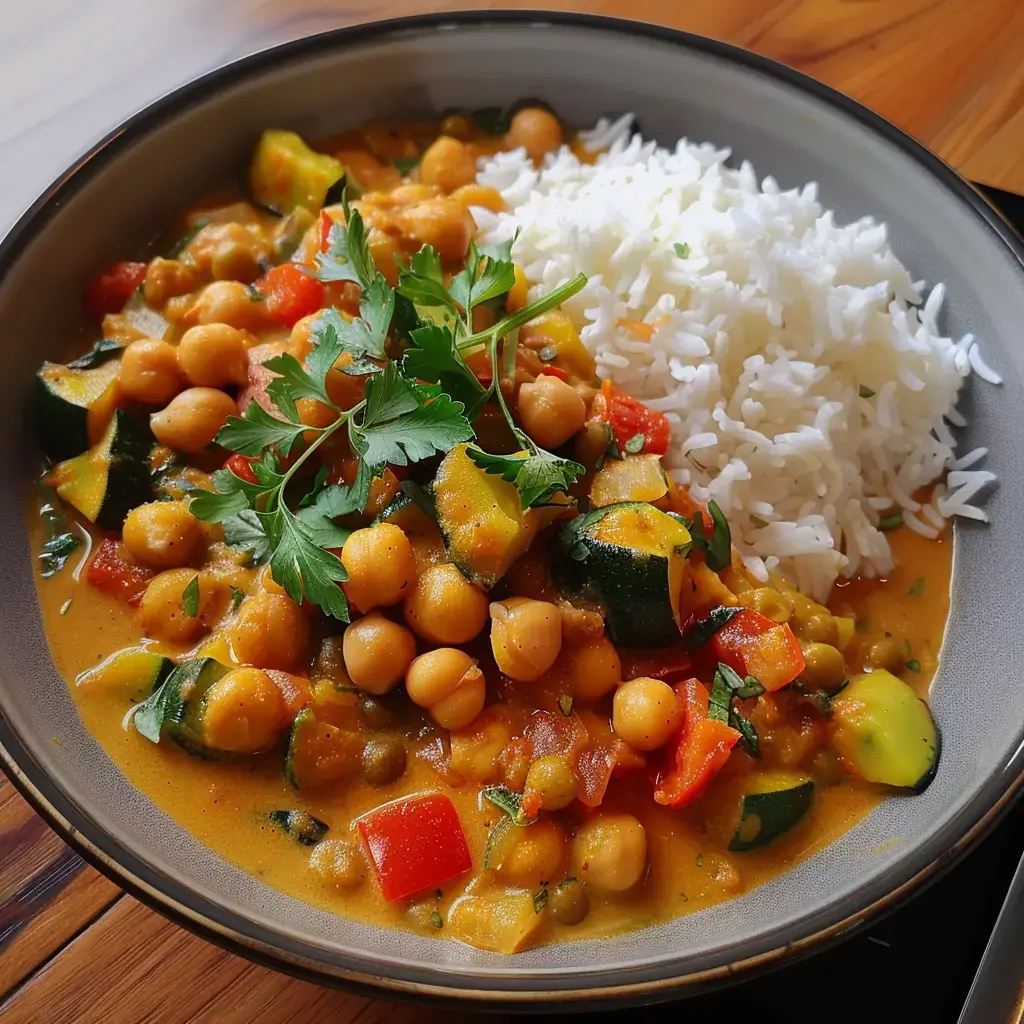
[117, 198]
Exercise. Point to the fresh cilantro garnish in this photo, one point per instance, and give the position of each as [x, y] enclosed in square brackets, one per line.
[190, 598]
[364, 338]
[537, 474]
[682, 250]
[348, 256]
[718, 547]
[727, 685]
[704, 629]
[485, 278]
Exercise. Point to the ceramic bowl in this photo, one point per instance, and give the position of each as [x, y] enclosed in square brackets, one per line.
[112, 202]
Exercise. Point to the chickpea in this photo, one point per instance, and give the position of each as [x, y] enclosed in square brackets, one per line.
[213, 355]
[476, 751]
[243, 712]
[531, 855]
[270, 631]
[384, 761]
[338, 863]
[645, 713]
[166, 279]
[161, 611]
[593, 669]
[526, 637]
[193, 419]
[817, 627]
[149, 372]
[449, 684]
[300, 341]
[458, 126]
[377, 652]
[535, 129]
[770, 603]
[568, 903]
[411, 192]
[550, 410]
[444, 607]
[824, 667]
[344, 389]
[368, 171]
[228, 302]
[885, 652]
[229, 251]
[384, 248]
[381, 567]
[609, 852]
[553, 781]
[162, 534]
[448, 163]
[443, 223]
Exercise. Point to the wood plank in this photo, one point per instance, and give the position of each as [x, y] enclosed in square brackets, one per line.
[47, 892]
[132, 965]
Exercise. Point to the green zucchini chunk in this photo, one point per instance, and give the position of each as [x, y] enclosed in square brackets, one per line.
[628, 560]
[404, 513]
[74, 404]
[300, 825]
[319, 753]
[109, 480]
[633, 478]
[484, 526]
[772, 804]
[286, 173]
[883, 732]
[133, 673]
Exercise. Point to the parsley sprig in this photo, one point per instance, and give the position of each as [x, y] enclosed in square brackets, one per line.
[414, 408]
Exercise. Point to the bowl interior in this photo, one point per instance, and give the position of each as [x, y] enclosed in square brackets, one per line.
[122, 197]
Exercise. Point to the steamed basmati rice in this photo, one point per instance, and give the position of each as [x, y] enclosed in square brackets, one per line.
[808, 388]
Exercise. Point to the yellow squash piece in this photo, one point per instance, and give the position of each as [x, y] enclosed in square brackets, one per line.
[285, 173]
[500, 924]
[633, 478]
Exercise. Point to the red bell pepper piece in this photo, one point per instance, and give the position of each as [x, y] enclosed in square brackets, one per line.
[415, 844]
[756, 646]
[326, 223]
[108, 292]
[657, 663]
[701, 751]
[628, 417]
[112, 573]
[289, 294]
[554, 371]
[241, 466]
[259, 377]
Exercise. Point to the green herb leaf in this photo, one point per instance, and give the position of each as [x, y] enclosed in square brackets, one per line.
[865, 392]
[635, 444]
[565, 705]
[405, 164]
[190, 598]
[822, 699]
[405, 422]
[914, 665]
[435, 919]
[422, 283]
[348, 256]
[704, 629]
[540, 900]
[508, 801]
[890, 522]
[538, 476]
[720, 699]
[700, 860]
[682, 250]
[718, 547]
[918, 588]
[364, 339]
[747, 731]
[61, 542]
[245, 531]
[484, 278]
[435, 358]
[337, 500]
[565, 883]
[237, 597]
[256, 430]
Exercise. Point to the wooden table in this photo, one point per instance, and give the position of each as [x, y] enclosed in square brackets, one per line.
[73, 947]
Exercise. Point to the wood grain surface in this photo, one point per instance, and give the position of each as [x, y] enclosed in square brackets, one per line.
[73, 949]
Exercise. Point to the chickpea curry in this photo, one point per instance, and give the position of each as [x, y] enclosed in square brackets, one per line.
[362, 574]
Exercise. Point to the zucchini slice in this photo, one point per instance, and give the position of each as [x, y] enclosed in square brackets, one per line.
[319, 753]
[109, 480]
[883, 732]
[629, 560]
[772, 803]
[634, 478]
[300, 825]
[286, 173]
[133, 673]
[485, 529]
[74, 406]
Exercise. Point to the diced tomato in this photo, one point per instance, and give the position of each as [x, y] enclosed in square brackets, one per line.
[554, 371]
[701, 749]
[756, 646]
[108, 292]
[241, 466]
[628, 417]
[326, 223]
[681, 502]
[113, 573]
[259, 376]
[289, 294]
[415, 844]
[657, 663]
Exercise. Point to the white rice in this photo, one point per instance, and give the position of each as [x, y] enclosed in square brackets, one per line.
[802, 369]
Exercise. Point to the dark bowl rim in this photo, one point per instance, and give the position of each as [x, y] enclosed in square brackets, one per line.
[240, 935]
